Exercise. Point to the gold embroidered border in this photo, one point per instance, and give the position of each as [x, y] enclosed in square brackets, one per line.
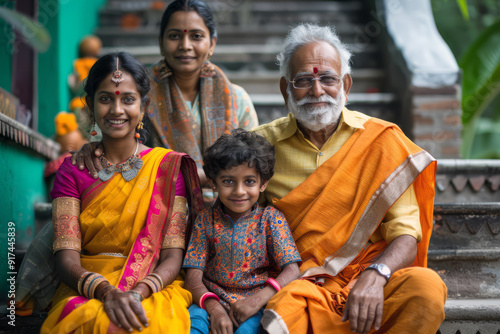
[65, 219]
[176, 232]
[381, 201]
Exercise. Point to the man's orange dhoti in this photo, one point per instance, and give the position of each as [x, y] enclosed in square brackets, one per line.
[332, 216]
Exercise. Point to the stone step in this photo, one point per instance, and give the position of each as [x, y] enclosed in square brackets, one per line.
[227, 34]
[245, 13]
[466, 181]
[471, 316]
[465, 248]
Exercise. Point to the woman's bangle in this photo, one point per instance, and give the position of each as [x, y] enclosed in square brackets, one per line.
[106, 293]
[274, 283]
[152, 282]
[137, 295]
[87, 282]
[95, 284]
[159, 279]
[205, 296]
[80, 282]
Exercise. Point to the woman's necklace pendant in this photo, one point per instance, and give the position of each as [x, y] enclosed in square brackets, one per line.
[129, 169]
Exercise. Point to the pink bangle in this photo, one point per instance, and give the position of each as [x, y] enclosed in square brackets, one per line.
[205, 296]
[272, 282]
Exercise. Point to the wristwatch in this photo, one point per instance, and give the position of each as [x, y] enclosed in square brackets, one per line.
[382, 269]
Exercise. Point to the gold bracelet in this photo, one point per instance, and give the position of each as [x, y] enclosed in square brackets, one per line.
[80, 281]
[88, 281]
[159, 279]
[94, 285]
[150, 281]
[106, 293]
[156, 282]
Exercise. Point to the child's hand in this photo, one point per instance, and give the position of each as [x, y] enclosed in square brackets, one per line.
[220, 322]
[243, 309]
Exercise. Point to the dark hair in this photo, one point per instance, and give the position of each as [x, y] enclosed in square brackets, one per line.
[237, 148]
[187, 5]
[107, 64]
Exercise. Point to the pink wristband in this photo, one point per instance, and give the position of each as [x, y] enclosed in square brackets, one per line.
[272, 282]
[205, 296]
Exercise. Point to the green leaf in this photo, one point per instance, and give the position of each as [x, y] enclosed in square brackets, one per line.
[480, 81]
[462, 4]
[33, 32]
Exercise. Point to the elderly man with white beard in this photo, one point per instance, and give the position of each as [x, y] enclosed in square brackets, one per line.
[358, 196]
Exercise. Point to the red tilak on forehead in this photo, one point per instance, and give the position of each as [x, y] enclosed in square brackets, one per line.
[117, 92]
[185, 30]
[315, 70]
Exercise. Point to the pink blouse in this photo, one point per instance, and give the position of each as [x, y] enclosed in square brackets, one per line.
[72, 182]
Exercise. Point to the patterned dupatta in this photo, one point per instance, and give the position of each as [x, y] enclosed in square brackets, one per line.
[173, 120]
[132, 217]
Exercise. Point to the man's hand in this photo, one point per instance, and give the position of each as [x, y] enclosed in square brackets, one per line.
[366, 299]
[365, 302]
[88, 154]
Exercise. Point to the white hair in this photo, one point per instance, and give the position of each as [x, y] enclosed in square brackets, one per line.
[306, 33]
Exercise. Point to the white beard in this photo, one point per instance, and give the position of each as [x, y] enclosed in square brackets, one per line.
[317, 118]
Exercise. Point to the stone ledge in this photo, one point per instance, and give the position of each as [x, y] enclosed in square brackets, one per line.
[490, 254]
[470, 327]
[473, 310]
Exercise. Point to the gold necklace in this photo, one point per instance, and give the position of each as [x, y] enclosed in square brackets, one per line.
[129, 169]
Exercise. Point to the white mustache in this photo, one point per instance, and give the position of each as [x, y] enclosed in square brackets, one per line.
[311, 99]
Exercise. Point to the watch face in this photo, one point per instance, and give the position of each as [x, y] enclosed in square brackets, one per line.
[384, 270]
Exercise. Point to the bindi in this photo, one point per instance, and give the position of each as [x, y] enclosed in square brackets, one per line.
[117, 92]
[315, 70]
[185, 31]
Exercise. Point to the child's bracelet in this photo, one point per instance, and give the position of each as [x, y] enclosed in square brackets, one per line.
[205, 296]
[274, 283]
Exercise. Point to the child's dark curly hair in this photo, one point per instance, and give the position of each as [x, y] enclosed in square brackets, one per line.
[237, 148]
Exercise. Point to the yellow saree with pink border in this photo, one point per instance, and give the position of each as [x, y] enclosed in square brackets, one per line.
[129, 218]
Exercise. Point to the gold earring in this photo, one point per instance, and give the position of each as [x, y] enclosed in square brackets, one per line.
[140, 126]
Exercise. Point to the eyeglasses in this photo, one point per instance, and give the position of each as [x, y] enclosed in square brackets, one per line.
[307, 81]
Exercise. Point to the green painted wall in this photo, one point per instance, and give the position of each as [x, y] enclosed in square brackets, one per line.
[21, 170]
[22, 186]
[67, 21]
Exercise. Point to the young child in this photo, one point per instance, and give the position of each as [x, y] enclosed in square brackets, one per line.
[240, 254]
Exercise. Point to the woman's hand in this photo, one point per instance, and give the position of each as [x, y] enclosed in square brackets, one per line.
[124, 310]
[88, 154]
